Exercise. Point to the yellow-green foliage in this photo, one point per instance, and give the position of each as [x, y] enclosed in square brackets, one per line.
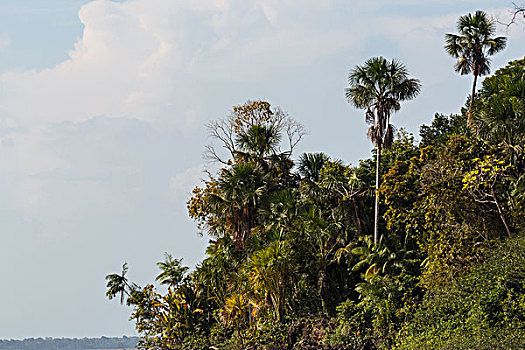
[485, 171]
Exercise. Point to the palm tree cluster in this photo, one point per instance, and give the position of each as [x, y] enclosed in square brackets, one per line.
[280, 238]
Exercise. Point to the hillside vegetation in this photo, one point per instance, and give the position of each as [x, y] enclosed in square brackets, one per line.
[302, 257]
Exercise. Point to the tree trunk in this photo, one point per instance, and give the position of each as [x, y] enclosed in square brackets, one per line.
[357, 218]
[321, 287]
[376, 213]
[276, 303]
[501, 215]
[469, 115]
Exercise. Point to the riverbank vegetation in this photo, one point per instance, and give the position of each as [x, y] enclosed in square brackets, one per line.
[292, 262]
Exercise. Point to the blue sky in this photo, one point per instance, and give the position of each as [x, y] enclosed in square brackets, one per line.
[103, 106]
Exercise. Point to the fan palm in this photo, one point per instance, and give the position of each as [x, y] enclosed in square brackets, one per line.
[500, 112]
[473, 45]
[310, 165]
[259, 140]
[380, 259]
[379, 86]
[240, 191]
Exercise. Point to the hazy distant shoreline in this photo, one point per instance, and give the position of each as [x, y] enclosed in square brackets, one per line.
[102, 343]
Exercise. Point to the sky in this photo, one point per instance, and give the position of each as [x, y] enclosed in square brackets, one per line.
[103, 113]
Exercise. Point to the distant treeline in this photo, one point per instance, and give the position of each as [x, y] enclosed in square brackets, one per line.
[69, 343]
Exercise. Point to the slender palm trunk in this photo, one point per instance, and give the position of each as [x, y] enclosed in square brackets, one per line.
[376, 213]
[469, 115]
[500, 212]
[357, 218]
[321, 281]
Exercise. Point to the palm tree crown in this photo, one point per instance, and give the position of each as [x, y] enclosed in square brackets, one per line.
[241, 188]
[310, 165]
[259, 140]
[172, 271]
[472, 46]
[379, 86]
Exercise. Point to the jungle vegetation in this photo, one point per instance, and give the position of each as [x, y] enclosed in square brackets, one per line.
[292, 262]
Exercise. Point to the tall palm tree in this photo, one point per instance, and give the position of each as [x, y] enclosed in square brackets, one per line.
[257, 170]
[240, 190]
[473, 45]
[378, 86]
[118, 284]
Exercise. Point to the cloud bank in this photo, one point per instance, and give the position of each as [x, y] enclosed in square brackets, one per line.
[98, 150]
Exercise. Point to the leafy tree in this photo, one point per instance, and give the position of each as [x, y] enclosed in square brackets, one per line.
[231, 203]
[211, 276]
[439, 131]
[259, 140]
[402, 191]
[482, 181]
[324, 240]
[473, 46]
[165, 321]
[248, 119]
[389, 280]
[455, 228]
[331, 219]
[379, 86]
[241, 190]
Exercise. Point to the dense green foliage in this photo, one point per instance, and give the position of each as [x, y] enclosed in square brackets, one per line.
[292, 264]
[69, 343]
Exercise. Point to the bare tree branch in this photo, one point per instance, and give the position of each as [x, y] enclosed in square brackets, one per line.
[223, 132]
[518, 11]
